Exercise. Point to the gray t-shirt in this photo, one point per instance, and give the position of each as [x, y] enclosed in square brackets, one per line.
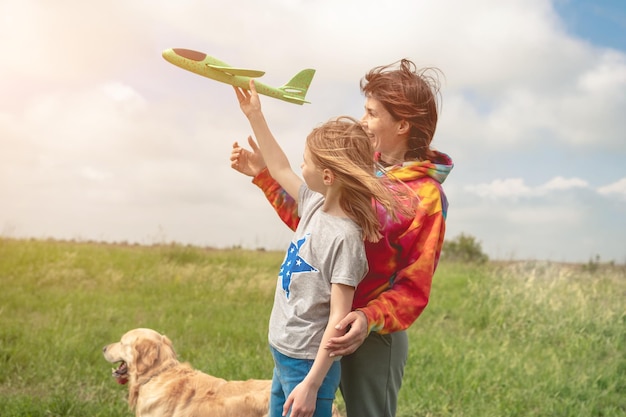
[325, 249]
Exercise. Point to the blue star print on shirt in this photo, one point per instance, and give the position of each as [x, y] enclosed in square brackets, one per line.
[294, 263]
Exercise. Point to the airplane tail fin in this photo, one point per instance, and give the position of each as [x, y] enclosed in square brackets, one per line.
[295, 90]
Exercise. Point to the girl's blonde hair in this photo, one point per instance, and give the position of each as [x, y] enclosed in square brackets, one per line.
[342, 146]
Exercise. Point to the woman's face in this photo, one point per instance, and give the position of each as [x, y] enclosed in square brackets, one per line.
[382, 128]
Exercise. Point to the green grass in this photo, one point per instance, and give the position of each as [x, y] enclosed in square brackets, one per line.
[516, 339]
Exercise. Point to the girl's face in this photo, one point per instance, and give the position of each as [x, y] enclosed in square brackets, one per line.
[312, 174]
[382, 128]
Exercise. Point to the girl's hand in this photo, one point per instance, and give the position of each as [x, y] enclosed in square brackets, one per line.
[248, 99]
[301, 401]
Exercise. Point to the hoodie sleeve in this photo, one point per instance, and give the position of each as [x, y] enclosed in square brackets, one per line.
[417, 256]
[284, 205]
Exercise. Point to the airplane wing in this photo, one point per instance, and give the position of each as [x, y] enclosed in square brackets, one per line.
[295, 99]
[238, 71]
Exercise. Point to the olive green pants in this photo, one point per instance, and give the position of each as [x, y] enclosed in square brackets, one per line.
[371, 377]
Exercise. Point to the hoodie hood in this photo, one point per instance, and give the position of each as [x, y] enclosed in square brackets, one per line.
[412, 170]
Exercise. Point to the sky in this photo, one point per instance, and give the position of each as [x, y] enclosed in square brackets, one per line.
[101, 139]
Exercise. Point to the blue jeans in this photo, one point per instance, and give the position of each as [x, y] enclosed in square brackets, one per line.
[289, 372]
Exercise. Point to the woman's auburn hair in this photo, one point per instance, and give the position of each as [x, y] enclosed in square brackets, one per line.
[410, 94]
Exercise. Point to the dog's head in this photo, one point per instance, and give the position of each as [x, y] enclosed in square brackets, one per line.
[140, 354]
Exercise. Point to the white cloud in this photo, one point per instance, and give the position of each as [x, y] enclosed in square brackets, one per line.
[617, 188]
[507, 188]
[515, 188]
[560, 183]
[94, 174]
[121, 92]
[610, 72]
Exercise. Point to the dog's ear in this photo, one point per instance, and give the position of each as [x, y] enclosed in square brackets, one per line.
[167, 349]
[146, 353]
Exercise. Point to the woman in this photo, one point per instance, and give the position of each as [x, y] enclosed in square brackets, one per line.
[400, 118]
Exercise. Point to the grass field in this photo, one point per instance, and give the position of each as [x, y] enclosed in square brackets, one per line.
[514, 339]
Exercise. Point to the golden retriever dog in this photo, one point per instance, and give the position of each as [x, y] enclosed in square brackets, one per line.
[160, 385]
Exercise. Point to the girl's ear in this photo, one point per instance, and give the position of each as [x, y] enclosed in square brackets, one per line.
[328, 176]
[403, 127]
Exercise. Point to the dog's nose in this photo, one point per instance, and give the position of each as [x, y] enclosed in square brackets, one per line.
[104, 349]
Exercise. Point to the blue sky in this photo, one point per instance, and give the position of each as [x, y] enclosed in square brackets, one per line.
[600, 22]
[102, 139]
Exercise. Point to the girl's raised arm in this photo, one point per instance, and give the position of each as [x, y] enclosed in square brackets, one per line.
[275, 158]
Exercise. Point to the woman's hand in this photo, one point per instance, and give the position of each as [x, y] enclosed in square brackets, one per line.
[356, 335]
[248, 162]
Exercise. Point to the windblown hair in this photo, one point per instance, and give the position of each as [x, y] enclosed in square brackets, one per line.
[342, 146]
[408, 94]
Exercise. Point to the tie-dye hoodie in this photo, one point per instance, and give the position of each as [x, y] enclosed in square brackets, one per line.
[401, 264]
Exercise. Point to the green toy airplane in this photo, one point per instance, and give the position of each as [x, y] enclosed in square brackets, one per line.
[202, 64]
